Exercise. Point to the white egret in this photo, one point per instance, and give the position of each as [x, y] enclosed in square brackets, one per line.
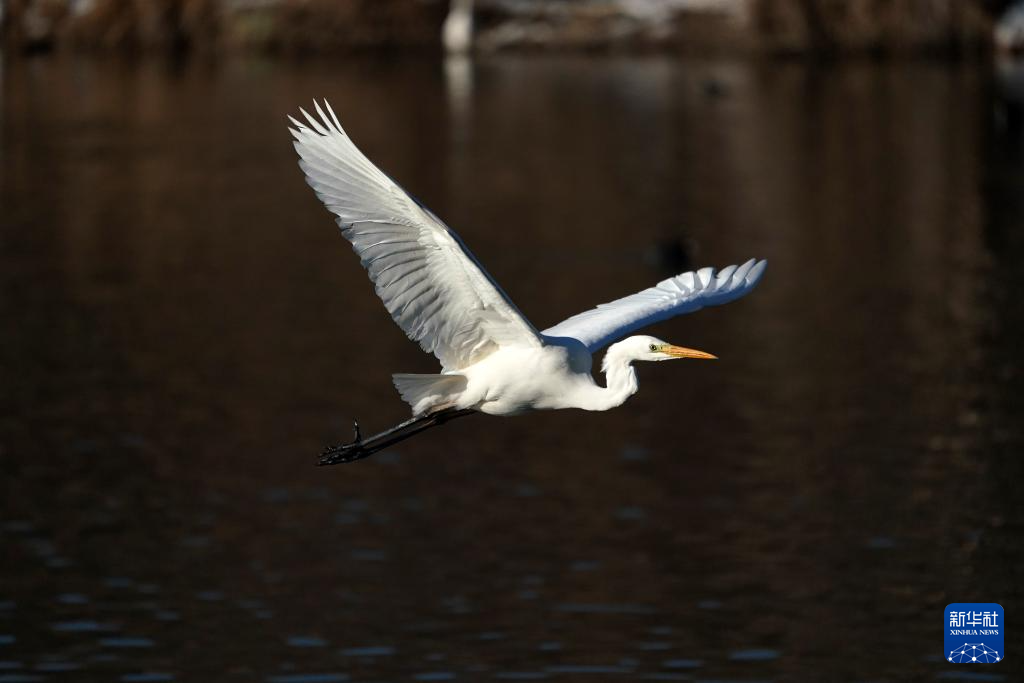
[493, 360]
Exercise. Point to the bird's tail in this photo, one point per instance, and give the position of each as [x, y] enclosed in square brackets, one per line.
[424, 392]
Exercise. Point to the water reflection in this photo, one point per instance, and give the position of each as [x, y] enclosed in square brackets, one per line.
[190, 330]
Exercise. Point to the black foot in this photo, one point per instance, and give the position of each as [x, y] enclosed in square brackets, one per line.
[346, 452]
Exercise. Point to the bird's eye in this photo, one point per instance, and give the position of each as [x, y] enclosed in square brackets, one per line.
[654, 347]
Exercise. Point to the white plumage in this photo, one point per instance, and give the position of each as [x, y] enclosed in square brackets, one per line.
[429, 282]
[493, 360]
[684, 293]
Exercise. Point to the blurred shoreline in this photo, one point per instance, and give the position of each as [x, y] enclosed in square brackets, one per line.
[705, 27]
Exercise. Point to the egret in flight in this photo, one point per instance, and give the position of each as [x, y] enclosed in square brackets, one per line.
[493, 360]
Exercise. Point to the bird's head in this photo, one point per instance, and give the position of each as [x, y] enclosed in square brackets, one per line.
[643, 347]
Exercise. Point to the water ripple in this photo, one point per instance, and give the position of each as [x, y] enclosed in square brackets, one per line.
[82, 626]
[754, 655]
[308, 678]
[306, 641]
[600, 608]
[683, 663]
[587, 669]
[369, 651]
[126, 642]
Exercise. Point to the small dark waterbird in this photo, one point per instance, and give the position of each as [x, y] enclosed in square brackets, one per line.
[493, 360]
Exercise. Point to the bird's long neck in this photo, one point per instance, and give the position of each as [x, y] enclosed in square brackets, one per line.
[620, 379]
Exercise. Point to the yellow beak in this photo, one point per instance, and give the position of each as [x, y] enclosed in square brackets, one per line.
[683, 352]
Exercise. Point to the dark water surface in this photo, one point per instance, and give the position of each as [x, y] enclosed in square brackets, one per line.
[183, 329]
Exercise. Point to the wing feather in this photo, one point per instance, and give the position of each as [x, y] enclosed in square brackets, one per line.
[683, 293]
[434, 288]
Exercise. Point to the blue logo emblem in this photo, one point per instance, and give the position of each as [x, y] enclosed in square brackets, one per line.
[974, 633]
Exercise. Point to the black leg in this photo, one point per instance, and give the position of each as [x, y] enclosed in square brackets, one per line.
[363, 448]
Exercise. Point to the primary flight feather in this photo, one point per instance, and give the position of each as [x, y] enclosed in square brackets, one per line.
[493, 360]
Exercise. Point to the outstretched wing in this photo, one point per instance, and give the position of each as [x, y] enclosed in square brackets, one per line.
[429, 281]
[684, 293]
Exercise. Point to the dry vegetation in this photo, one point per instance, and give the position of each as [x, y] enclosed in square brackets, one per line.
[775, 26]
